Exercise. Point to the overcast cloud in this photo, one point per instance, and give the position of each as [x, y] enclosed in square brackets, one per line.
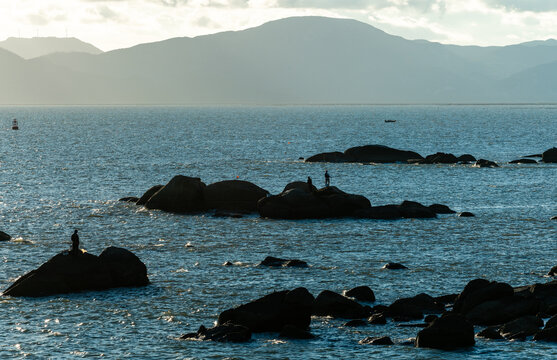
[110, 24]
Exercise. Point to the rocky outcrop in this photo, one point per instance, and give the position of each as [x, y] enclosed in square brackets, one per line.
[361, 293]
[407, 209]
[182, 194]
[329, 303]
[147, 195]
[222, 333]
[4, 236]
[329, 202]
[233, 195]
[367, 154]
[449, 332]
[523, 161]
[485, 163]
[272, 312]
[550, 156]
[65, 273]
[299, 185]
[293, 332]
[441, 209]
[278, 262]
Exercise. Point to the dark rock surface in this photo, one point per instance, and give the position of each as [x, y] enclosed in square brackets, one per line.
[222, 333]
[273, 312]
[356, 323]
[407, 209]
[550, 156]
[293, 332]
[4, 236]
[485, 163]
[490, 332]
[233, 195]
[278, 262]
[367, 154]
[299, 185]
[182, 194]
[377, 319]
[64, 273]
[441, 209]
[523, 161]
[547, 335]
[414, 308]
[333, 157]
[394, 266]
[521, 327]
[147, 195]
[450, 331]
[466, 158]
[478, 291]
[553, 271]
[466, 214]
[383, 340]
[132, 199]
[329, 303]
[440, 158]
[329, 202]
[553, 217]
[361, 293]
[551, 322]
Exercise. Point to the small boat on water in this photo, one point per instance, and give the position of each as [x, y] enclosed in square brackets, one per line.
[15, 126]
[389, 121]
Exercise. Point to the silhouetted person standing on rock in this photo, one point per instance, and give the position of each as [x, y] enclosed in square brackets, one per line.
[310, 184]
[327, 179]
[75, 244]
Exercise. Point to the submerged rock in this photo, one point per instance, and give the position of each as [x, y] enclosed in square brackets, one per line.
[523, 161]
[550, 156]
[466, 214]
[273, 312]
[222, 333]
[449, 332]
[4, 236]
[182, 194]
[278, 262]
[233, 195]
[361, 293]
[394, 266]
[65, 273]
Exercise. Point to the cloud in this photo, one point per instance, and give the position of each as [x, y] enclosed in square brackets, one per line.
[524, 5]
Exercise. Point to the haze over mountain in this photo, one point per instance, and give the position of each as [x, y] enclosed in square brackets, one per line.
[296, 61]
[29, 48]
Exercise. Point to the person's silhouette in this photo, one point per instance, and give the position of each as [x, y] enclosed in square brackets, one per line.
[310, 183]
[75, 243]
[327, 179]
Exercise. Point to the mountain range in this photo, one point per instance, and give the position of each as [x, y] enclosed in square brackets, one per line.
[29, 48]
[301, 60]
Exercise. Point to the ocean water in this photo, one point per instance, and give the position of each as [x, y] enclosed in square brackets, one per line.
[67, 167]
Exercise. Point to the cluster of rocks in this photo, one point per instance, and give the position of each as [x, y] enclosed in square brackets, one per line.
[68, 273]
[385, 154]
[506, 312]
[297, 201]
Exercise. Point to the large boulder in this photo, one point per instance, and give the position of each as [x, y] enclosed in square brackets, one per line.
[333, 157]
[296, 203]
[147, 195]
[545, 293]
[361, 293]
[300, 185]
[407, 209]
[4, 236]
[521, 327]
[478, 291]
[379, 154]
[440, 158]
[329, 303]
[550, 156]
[415, 307]
[502, 310]
[182, 194]
[65, 273]
[272, 312]
[233, 195]
[450, 331]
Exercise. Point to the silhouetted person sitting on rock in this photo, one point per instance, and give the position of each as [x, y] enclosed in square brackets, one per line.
[310, 184]
[75, 244]
[327, 179]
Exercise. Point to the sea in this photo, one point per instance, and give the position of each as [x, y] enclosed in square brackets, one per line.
[67, 167]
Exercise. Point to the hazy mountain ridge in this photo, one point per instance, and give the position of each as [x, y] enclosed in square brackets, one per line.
[294, 60]
[29, 48]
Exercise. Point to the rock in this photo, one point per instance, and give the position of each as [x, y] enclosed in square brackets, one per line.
[225, 214]
[551, 322]
[355, 323]
[550, 156]
[334, 157]
[545, 294]
[132, 199]
[384, 340]
[502, 310]
[553, 217]
[440, 158]
[521, 327]
[299, 185]
[222, 333]
[414, 308]
[329, 202]
[430, 318]
[329, 303]
[479, 291]
[466, 214]
[441, 209]
[273, 261]
[4, 236]
[233, 195]
[547, 335]
[273, 312]
[466, 158]
[450, 331]
[553, 271]
[361, 293]
[228, 263]
[182, 194]
[293, 332]
[65, 273]
[394, 266]
[446, 299]
[523, 161]
[415, 210]
[407, 209]
[377, 319]
[490, 332]
[147, 195]
[533, 155]
[485, 163]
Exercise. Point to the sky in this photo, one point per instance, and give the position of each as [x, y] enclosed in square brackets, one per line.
[112, 24]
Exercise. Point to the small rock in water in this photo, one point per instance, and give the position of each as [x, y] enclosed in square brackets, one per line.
[394, 266]
[490, 333]
[278, 262]
[361, 293]
[466, 214]
[4, 236]
[485, 163]
[228, 263]
[383, 340]
[523, 161]
[377, 319]
[553, 271]
[227, 332]
[355, 323]
[553, 218]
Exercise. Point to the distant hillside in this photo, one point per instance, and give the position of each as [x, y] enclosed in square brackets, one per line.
[29, 48]
[294, 61]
